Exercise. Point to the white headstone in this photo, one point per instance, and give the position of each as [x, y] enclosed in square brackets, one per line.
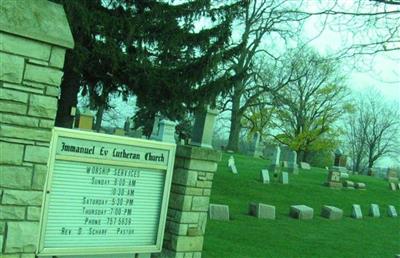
[392, 211]
[219, 212]
[374, 211]
[265, 176]
[284, 178]
[356, 211]
[331, 212]
[305, 165]
[231, 161]
[233, 169]
[276, 156]
[262, 211]
[301, 212]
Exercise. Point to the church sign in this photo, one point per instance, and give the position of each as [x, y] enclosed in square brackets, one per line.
[104, 194]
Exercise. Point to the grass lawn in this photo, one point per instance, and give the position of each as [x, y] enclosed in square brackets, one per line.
[246, 236]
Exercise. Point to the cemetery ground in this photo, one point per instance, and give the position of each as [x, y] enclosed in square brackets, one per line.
[247, 236]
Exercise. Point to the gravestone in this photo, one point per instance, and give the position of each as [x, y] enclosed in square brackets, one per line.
[305, 165]
[203, 127]
[166, 131]
[392, 186]
[234, 169]
[398, 186]
[331, 212]
[392, 176]
[292, 163]
[284, 178]
[344, 175]
[301, 212]
[356, 211]
[285, 164]
[85, 121]
[348, 184]
[392, 211]
[374, 211]
[264, 175]
[156, 127]
[262, 211]
[334, 178]
[275, 161]
[219, 212]
[360, 186]
[256, 149]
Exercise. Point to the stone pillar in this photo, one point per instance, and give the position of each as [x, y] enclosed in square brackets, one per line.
[34, 35]
[189, 201]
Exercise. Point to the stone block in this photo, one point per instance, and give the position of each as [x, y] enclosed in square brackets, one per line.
[374, 211]
[335, 185]
[25, 133]
[44, 123]
[28, 256]
[264, 176]
[391, 211]
[331, 212]
[356, 211]
[184, 177]
[11, 68]
[262, 211]
[183, 216]
[348, 183]
[12, 95]
[22, 197]
[219, 212]
[198, 165]
[305, 165]
[180, 202]
[34, 213]
[36, 154]
[12, 212]
[24, 47]
[11, 153]
[39, 177]
[360, 186]
[19, 120]
[21, 237]
[52, 91]
[57, 57]
[42, 106]
[194, 231]
[15, 177]
[42, 74]
[13, 107]
[200, 203]
[301, 212]
[392, 186]
[187, 243]
[177, 228]
[23, 88]
[284, 178]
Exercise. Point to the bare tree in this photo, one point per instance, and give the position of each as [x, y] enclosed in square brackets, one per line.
[261, 19]
[308, 108]
[373, 130]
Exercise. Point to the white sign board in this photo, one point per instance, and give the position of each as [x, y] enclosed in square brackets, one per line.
[104, 194]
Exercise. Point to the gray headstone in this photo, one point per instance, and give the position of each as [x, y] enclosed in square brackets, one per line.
[262, 211]
[392, 186]
[348, 183]
[203, 127]
[276, 156]
[374, 211]
[265, 176]
[305, 165]
[344, 175]
[219, 212]
[284, 178]
[301, 212]
[285, 164]
[166, 131]
[156, 125]
[331, 212]
[392, 211]
[356, 211]
[231, 161]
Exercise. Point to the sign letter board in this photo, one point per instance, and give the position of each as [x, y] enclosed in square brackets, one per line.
[104, 194]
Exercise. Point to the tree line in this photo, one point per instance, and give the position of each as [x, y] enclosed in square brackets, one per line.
[246, 58]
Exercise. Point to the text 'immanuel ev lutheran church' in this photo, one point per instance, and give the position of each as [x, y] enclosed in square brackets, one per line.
[116, 153]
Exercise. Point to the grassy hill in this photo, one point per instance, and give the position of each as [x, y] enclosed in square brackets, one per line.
[246, 236]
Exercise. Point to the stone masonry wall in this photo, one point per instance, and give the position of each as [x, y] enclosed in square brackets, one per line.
[189, 201]
[30, 75]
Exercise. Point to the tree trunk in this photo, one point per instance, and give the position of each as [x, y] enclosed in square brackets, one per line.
[69, 96]
[99, 118]
[236, 116]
